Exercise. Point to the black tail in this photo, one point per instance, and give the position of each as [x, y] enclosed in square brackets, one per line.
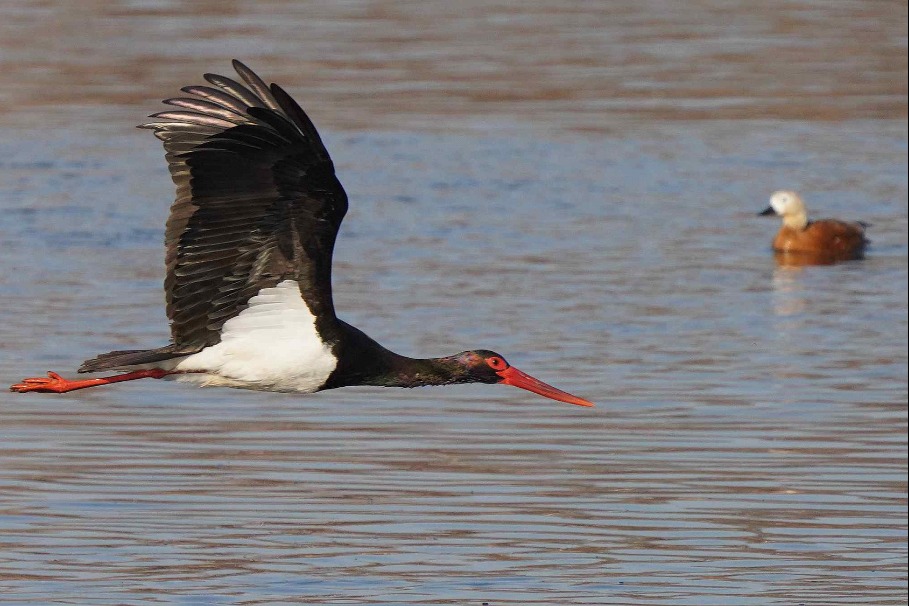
[131, 357]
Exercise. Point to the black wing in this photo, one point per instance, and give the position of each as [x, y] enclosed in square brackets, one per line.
[257, 203]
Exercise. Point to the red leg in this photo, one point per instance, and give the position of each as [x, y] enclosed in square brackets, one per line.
[54, 383]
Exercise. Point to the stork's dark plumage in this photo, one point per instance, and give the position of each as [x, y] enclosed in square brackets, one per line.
[249, 245]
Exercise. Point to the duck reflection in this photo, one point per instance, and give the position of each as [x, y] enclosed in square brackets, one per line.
[789, 297]
[806, 258]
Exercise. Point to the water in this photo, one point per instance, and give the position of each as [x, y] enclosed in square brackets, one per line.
[749, 444]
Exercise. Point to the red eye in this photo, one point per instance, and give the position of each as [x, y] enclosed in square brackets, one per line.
[496, 363]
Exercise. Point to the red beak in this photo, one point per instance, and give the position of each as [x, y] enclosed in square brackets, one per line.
[513, 376]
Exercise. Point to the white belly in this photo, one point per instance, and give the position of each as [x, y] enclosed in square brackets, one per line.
[272, 345]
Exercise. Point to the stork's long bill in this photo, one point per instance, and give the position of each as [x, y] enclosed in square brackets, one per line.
[517, 378]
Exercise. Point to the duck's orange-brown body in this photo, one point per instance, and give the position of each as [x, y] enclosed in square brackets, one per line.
[827, 237]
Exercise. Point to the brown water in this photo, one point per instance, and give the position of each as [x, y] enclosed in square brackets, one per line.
[572, 185]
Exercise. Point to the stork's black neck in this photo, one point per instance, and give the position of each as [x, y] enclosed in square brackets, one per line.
[362, 361]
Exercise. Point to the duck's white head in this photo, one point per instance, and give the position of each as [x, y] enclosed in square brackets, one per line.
[790, 207]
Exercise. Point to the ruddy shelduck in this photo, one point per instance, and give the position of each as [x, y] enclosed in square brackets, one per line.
[832, 239]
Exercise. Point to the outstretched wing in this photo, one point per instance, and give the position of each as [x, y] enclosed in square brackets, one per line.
[257, 203]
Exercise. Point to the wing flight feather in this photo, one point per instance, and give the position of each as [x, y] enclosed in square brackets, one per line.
[257, 203]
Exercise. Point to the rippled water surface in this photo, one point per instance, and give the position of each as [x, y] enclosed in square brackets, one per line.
[573, 186]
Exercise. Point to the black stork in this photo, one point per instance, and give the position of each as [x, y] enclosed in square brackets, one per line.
[249, 243]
